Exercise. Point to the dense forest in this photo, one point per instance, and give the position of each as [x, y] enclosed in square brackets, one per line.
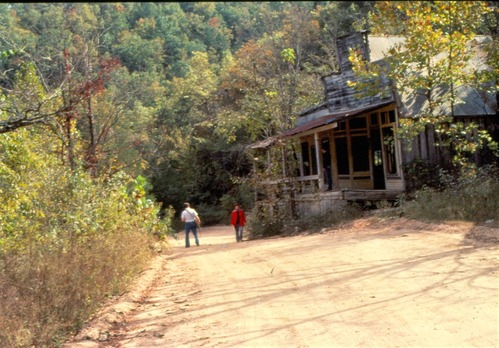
[170, 91]
[112, 115]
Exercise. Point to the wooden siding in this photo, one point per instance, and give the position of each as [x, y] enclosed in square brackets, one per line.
[339, 95]
[383, 177]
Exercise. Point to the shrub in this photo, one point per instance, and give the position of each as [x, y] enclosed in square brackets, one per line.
[471, 197]
[333, 217]
[421, 173]
[67, 242]
[267, 221]
[211, 215]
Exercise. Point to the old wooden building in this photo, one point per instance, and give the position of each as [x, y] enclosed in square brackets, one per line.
[348, 146]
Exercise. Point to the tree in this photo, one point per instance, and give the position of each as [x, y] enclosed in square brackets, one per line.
[184, 124]
[432, 63]
[337, 18]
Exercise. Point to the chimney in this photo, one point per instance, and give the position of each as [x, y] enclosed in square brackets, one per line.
[357, 40]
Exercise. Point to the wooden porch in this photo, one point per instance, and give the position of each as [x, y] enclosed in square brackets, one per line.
[307, 187]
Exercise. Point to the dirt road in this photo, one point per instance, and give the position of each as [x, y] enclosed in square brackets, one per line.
[373, 283]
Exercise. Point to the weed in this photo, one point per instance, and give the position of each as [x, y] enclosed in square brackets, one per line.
[65, 250]
[264, 222]
[470, 197]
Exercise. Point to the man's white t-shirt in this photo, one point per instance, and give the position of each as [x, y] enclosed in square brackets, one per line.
[188, 215]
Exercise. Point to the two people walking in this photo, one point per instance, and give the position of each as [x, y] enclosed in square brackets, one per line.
[192, 220]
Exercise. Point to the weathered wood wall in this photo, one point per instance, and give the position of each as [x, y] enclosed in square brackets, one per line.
[339, 95]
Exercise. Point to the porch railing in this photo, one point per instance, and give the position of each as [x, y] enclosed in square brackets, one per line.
[306, 184]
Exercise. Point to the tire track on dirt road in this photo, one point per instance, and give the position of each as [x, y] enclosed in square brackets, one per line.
[384, 286]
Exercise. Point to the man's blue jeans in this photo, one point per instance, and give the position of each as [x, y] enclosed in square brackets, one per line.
[239, 233]
[191, 226]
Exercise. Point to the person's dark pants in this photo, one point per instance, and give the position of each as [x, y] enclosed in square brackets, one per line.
[191, 226]
[327, 176]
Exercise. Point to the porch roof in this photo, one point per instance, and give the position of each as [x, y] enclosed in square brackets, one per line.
[334, 117]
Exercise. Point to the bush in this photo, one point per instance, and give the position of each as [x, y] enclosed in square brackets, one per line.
[471, 197]
[421, 173]
[333, 217]
[242, 194]
[261, 226]
[67, 242]
[267, 221]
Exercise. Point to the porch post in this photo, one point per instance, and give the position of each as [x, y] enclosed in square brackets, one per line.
[318, 159]
[398, 148]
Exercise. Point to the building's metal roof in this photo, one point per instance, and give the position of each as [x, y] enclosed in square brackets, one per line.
[319, 122]
[380, 45]
[325, 120]
[470, 102]
[312, 114]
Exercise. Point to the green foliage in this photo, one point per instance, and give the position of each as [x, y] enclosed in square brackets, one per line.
[212, 214]
[275, 220]
[65, 240]
[288, 55]
[470, 197]
[242, 193]
[191, 67]
[432, 64]
[335, 19]
[333, 217]
[340, 18]
[264, 222]
[139, 54]
[421, 173]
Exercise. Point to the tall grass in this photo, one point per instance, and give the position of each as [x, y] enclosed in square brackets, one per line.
[268, 221]
[473, 196]
[67, 243]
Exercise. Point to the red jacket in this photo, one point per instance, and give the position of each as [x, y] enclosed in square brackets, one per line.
[242, 217]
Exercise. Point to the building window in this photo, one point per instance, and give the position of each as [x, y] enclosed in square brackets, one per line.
[342, 156]
[360, 153]
[306, 159]
[391, 115]
[389, 148]
[313, 158]
[377, 158]
[309, 159]
[358, 123]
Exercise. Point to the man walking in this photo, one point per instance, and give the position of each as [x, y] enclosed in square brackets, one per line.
[189, 216]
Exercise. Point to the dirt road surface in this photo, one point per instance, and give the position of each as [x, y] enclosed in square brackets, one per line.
[372, 283]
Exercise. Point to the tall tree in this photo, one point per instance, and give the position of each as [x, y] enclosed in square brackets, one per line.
[432, 63]
[337, 18]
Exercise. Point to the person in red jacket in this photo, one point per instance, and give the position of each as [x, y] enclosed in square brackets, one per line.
[238, 219]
